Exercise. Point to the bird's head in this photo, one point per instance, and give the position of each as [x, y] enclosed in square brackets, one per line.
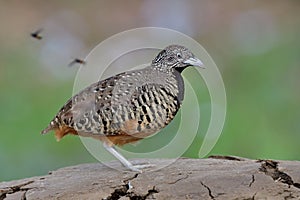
[176, 57]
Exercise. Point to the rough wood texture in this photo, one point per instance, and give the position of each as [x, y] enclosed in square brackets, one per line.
[218, 177]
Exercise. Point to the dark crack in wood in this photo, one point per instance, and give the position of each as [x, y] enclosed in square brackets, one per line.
[131, 178]
[24, 195]
[289, 196]
[2, 196]
[124, 191]
[252, 180]
[253, 197]
[133, 196]
[250, 198]
[13, 189]
[209, 190]
[270, 168]
[118, 193]
[179, 179]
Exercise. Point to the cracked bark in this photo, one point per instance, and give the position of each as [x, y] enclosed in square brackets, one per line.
[209, 190]
[252, 180]
[14, 189]
[270, 168]
[218, 177]
[125, 191]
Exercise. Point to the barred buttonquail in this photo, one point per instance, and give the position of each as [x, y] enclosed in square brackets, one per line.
[128, 106]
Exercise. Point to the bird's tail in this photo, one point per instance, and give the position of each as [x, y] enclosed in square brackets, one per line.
[52, 126]
[60, 130]
[47, 129]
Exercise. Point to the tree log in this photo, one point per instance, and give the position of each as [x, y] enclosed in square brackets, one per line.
[217, 177]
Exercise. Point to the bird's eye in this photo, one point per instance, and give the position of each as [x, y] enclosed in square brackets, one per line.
[178, 55]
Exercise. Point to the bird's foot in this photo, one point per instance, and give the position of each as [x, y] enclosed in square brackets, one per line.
[125, 162]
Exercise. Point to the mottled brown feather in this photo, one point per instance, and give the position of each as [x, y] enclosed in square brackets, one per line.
[64, 130]
[120, 139]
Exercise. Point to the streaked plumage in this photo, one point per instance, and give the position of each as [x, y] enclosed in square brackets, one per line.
[128, 106]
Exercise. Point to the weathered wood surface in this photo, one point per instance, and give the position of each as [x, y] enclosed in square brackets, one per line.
[213, 178]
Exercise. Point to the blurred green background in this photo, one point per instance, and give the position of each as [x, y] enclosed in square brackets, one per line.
[255, 44]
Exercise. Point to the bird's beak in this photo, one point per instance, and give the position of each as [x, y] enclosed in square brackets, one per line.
[194, 62]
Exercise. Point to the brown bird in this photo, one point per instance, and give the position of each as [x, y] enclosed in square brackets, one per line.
[37, 34]
[129, 106]
[77, 60]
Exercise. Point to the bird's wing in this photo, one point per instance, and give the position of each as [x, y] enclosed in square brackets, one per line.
[94, 98]
[71, 63]
[39, 31]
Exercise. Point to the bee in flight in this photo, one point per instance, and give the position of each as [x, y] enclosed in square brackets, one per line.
[37, 34]
[77, 60]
